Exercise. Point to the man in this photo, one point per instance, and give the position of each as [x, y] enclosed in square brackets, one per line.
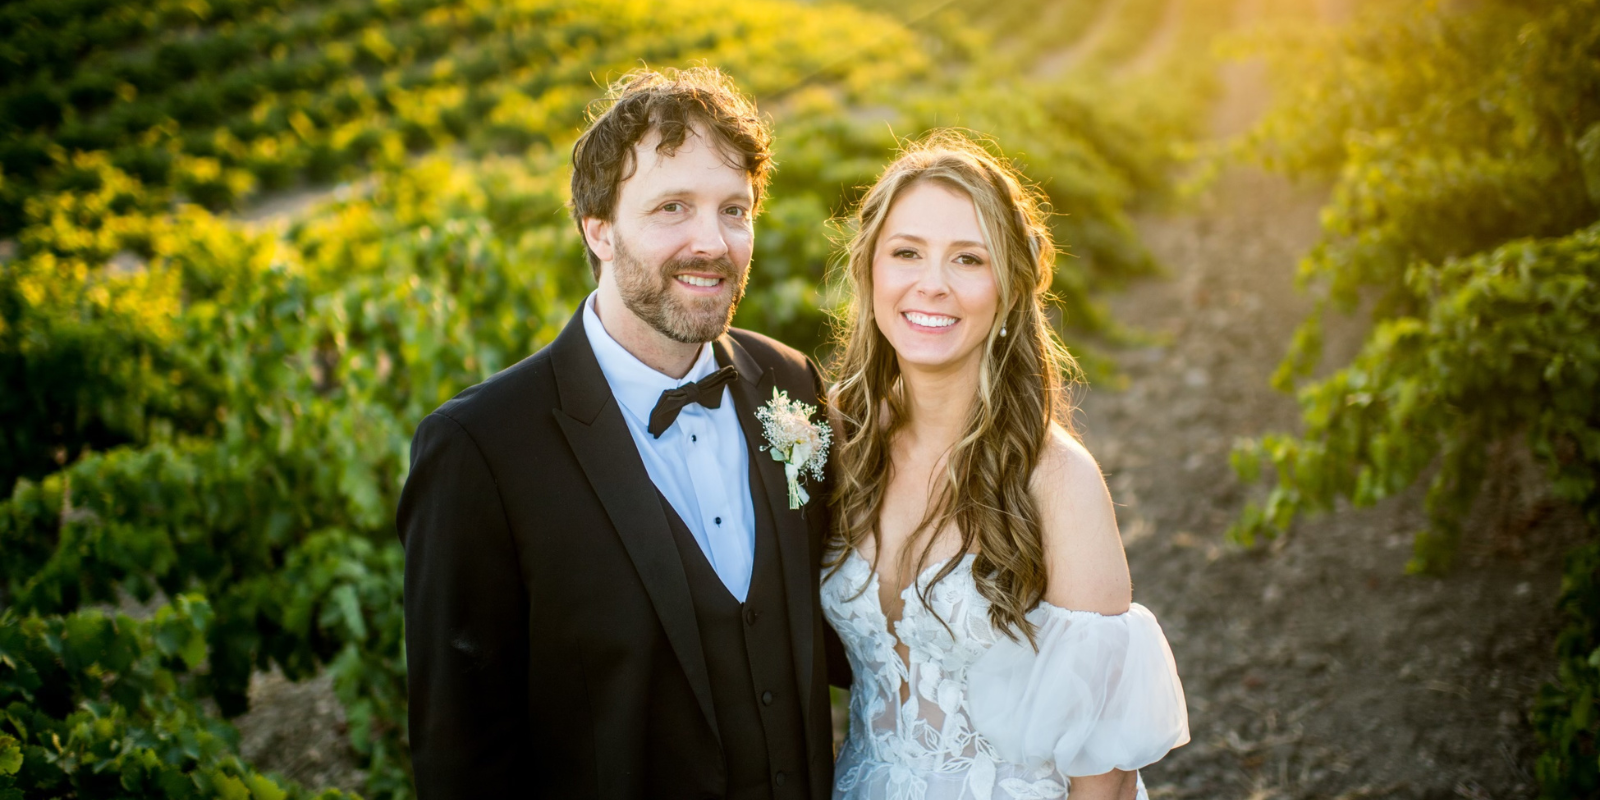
[607, 593]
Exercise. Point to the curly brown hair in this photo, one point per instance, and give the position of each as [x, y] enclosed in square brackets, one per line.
[674, 103]
[984, 492]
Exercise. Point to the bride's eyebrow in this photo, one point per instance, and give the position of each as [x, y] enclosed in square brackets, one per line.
[914, 239]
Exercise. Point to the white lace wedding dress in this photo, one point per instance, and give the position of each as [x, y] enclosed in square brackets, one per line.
[984, 717]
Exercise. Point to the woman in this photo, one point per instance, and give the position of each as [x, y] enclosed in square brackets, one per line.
[977, 578]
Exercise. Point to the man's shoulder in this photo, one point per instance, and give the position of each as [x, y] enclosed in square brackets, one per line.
[793, 370]
[516, 390]
[767, 351]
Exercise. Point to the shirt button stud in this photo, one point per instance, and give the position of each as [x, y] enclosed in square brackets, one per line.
[693, 438]
[718, 520]
[766, 700]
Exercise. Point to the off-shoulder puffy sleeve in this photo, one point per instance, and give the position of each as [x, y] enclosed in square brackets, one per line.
[1101, 693]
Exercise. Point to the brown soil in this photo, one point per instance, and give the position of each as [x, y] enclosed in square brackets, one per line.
[1053, 65]
[1159, 45]
[298, 731]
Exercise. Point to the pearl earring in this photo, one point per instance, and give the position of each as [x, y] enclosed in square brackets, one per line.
[1002, 331]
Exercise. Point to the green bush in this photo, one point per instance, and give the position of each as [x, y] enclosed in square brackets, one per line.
[101, 706]
[1564, 715]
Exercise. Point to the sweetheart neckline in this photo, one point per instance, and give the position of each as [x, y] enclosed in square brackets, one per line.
[875, 582]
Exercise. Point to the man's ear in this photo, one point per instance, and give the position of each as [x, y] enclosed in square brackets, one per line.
[597, 234]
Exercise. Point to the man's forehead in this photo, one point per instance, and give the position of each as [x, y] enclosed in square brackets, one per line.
[695, 140]
[651, 160]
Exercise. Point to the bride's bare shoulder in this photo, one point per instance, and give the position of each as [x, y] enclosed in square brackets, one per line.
[1083, 551]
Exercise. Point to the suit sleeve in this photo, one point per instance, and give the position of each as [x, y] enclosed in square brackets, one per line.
[466, 621]
[838, 662]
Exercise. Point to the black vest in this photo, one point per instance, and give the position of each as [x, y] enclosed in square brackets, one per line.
[750, 662]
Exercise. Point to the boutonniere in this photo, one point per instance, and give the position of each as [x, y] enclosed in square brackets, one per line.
[792, 438]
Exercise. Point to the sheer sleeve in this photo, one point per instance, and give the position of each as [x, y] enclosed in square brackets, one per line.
[1101, 693]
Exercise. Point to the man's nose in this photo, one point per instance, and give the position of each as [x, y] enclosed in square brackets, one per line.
[707, 239]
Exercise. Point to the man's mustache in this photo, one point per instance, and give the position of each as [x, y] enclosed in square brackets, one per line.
[721, 267]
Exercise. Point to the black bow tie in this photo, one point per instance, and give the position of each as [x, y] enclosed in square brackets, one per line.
[707, 392]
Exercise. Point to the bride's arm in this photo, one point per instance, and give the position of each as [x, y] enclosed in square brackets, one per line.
[1114, 785]
[1083, 551]
[1084, 559]
[1099, 691]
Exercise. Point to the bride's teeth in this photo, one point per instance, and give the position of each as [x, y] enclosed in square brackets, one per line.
[928, 321]
[694, 280]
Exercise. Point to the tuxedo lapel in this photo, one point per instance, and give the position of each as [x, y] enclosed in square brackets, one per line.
[592, 422]
[751, 391]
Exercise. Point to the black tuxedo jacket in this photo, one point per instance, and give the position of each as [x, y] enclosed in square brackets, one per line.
[551, 639]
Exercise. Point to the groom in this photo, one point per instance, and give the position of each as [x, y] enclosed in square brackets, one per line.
[607, 594]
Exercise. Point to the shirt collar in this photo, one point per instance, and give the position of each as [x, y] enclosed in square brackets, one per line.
[636, 385]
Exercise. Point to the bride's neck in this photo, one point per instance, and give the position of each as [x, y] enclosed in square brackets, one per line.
[937, 405]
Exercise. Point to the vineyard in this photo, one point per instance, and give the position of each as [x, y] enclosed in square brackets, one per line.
[246, 245]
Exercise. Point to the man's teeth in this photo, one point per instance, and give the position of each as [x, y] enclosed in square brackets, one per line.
[695, 280]
[930, 320]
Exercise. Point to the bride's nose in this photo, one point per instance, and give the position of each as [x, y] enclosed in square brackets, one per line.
[931, 281]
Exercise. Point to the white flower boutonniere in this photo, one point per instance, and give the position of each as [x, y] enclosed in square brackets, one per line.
[792, 438]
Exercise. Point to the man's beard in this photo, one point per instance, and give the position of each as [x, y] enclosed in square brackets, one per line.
[648, 294]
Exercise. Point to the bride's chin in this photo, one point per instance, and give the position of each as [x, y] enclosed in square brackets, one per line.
[929, 360]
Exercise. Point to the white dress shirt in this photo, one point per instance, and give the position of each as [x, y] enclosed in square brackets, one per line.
[699, 463]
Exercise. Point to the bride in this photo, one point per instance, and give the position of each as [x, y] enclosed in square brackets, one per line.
[977, 579]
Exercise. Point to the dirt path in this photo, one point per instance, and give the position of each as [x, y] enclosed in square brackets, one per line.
[1245, 94]
[1158, 45]
[1058, 63]
[1313, 667]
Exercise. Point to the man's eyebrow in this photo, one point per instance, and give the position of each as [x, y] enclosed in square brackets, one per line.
[685, 192]
[915, 239]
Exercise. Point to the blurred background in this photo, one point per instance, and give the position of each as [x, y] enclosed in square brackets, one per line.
[1333, 266]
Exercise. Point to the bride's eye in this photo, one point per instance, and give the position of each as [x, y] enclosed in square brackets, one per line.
[969, 260]
[903, 252]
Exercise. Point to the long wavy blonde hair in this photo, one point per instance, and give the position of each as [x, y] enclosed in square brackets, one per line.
[984, 488]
